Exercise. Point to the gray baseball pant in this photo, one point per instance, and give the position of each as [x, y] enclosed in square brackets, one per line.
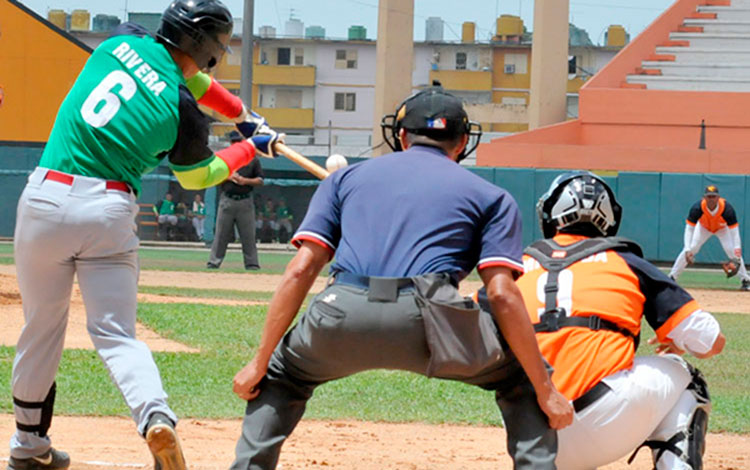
[242, 213]
[342, 333]
[87, 230]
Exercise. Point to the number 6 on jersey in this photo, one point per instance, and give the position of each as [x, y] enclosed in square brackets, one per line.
[103, 93]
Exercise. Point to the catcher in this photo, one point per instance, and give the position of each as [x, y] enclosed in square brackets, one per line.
[713, 215]
[587, 293]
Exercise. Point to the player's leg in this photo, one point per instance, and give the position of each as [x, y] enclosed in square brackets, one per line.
[678, 442]
[245, 220]
[339, 334]
[224, 231]
[700, 236]
[42, 250]
[725, 238]
[639, 399]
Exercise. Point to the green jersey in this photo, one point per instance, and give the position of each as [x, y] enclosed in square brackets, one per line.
[122, 115]
[167, 207]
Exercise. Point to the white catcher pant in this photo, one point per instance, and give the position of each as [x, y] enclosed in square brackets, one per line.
[642, 404]
[701, 236]
[88, 230]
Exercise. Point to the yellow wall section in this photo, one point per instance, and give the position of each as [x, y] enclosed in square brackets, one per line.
[289, 118]
[37, 68]
[287, 75]
[468, 80]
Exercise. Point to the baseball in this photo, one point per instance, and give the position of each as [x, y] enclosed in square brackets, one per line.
[335, 162]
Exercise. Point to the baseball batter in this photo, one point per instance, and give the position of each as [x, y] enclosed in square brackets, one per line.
[587, 292]
[401, 245]
[133, 104]
[712, 215]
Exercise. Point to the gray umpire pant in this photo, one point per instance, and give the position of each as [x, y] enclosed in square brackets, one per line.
[235, 212]
[84, 229]
[343, 333]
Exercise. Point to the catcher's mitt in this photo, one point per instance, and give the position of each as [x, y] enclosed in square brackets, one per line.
[690, 258]
[731, 267]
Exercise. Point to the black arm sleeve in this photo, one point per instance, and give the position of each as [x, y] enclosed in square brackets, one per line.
[695, 213]
[663, 296]
[130, 29]
[729, 215]
[192, 136]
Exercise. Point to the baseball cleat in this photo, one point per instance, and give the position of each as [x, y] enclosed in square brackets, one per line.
[163, 443]
[745, 285]
[50, 460]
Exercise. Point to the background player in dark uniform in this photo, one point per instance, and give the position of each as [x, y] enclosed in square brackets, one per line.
[405, 228]
[133, 104]
[588, 324]
[712, 215]
[237, 208]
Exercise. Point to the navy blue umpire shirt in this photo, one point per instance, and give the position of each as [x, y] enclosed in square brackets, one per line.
[413, 212]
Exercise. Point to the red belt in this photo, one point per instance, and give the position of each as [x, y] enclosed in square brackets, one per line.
[65, 178]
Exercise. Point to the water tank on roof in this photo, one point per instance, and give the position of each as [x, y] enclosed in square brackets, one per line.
[80, 20]
[57, 18]
[105, 23]
[315, 32]
[616, 36]
[294, 28]
[468, 32]
[509, 25]
[433, 29]
[357, 33]
[267, 32]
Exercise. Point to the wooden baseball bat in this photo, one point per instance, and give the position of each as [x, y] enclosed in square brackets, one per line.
[302, 161]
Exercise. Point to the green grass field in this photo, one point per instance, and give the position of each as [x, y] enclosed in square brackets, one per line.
[199, 385]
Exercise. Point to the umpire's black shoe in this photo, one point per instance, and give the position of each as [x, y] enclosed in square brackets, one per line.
[163, 443]
[745, 285]
[50, 460]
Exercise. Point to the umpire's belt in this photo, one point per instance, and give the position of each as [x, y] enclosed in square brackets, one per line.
[238, 197]
[595, 393]
[379, 289]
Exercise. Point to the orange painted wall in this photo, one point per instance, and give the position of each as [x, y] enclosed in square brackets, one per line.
[38, 65]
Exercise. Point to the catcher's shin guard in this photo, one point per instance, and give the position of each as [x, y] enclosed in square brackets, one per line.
[679, 441]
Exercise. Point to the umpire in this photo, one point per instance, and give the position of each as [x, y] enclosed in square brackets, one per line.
[405, 228]
[236, 207]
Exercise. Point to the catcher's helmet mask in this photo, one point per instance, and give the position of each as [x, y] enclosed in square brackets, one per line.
[433, 113]
[194, 27]
[579, 202]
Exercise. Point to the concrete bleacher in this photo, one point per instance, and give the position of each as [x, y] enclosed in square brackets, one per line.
[710, 51]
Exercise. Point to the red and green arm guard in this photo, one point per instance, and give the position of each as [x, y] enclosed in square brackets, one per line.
[210, 93]
[215, 169]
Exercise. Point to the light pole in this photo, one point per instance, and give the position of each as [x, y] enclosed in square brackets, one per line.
[246, 74]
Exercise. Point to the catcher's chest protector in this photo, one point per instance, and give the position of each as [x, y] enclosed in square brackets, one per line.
[554, 258]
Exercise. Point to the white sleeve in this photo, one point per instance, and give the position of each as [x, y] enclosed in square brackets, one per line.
[734, 233]
[696, 333]
[689, 229]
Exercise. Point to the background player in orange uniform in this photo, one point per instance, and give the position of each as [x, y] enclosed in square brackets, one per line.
[712, 215]
[588, 316]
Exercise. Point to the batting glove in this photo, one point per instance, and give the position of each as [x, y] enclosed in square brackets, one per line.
[265, 139]
[252, 124]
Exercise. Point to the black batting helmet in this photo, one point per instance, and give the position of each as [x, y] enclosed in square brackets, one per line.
[433, 113]
[579, 202]
[194, 27]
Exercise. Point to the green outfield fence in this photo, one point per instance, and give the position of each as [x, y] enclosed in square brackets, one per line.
[655, 205]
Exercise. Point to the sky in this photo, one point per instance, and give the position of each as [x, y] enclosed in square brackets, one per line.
[337, 15]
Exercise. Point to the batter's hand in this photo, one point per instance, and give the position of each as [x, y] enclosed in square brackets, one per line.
[265, 141]
[558, 409]
[665, 348]
[247, 379]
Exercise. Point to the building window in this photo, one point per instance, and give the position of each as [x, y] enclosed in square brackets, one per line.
[263, 57]
[299, 56]
[346, 59]
[460, 60]
[283, 56]
[345, 101]
[288, 98]
[518, 63]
